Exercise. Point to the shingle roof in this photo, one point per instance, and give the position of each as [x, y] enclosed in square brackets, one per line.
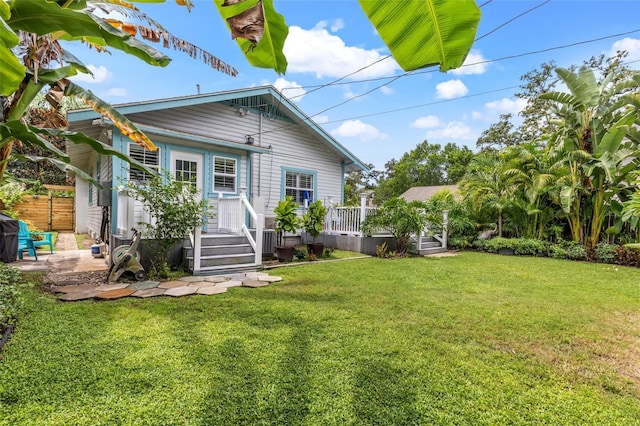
[423, 193]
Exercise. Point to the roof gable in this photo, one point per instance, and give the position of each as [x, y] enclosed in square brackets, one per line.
[262, 99]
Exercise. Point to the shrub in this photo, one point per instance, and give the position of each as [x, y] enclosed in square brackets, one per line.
[10, 298]
[606, 253]
[572, 250]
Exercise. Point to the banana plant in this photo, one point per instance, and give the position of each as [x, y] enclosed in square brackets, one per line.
[419, 33]
[30, 36]
[595, 133]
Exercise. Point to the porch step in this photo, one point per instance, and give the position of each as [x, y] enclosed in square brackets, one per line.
[432, 250]
[429, 244]
[227, 249]
[222, 239]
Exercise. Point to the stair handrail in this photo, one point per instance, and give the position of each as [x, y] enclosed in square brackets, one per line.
[258, 220]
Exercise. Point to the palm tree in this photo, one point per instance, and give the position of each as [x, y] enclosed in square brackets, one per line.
[488, 187]
[528, 168]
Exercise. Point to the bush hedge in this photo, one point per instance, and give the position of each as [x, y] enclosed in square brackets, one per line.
[571, 250]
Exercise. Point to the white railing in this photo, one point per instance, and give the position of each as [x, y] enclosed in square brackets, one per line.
[346, 220]
[232, 215]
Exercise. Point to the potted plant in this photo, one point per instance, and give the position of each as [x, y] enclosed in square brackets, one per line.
[313, 224]
[287, 220]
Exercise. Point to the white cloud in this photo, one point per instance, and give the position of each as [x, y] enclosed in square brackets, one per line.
[337, 25]
[427, 122]
[453, 131]
[358, 129]
[631, 45]
[476, 115]
[100, 75]
[387, 90]
[320, 118]
[117, 91]
[451, 89]
[474, 63]
[290, 89]
[507, 106]
[326, 55]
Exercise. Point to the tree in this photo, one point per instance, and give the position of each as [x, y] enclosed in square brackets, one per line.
[488, 188]
[499, 135]
[591, 132]
[176, 209]
[357, 182]
[426, 165]
[399, 217]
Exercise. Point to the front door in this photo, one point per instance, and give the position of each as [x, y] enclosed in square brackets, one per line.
[187, 167]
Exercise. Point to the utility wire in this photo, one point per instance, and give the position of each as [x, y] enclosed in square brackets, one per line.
[335, 82]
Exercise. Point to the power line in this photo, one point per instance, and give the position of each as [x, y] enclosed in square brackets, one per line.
[334, 82]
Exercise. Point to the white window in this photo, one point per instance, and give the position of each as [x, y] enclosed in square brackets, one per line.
[151, 159]
[224, 174]
[299, 185]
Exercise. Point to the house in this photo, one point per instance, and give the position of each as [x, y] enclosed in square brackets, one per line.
[423, 193]
[245, 150]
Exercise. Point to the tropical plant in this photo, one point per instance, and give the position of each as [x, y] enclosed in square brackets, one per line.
[592, 136]
[31, 32]
[401, 218]
[176, 209]
[286, 219]
[313, 219]
[488, 188]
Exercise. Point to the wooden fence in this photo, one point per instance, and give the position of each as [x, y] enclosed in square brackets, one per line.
[47, 212]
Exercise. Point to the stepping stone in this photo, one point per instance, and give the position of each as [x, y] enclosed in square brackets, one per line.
[172, 284]
[190, 279]
[215, 278]
[74, 288]
[149, 292]
[270, 279]
[79, 295]
[230, 283]
[254, 284]
[256, 274]
[181, 291]
[144, 285]
[212, 290]
[115, 294]
[201, 284]
[116, 286]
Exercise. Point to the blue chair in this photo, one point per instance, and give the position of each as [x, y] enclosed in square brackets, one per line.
[45, 241]
[25, 242]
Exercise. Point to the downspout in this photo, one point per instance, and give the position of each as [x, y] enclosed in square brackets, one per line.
[259, 191]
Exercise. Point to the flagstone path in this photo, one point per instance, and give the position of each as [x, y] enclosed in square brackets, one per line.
[185, 286]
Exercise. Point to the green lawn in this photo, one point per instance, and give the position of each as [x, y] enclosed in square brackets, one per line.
[473, 339]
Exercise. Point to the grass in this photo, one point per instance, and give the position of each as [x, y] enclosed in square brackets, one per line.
[474, 339]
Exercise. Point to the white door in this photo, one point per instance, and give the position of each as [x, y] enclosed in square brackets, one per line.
[187, 167]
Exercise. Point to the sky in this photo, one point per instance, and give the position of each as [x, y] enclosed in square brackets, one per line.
[373, 113]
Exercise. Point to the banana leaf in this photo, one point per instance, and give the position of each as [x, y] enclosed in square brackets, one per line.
[259, 30]
[422, 33]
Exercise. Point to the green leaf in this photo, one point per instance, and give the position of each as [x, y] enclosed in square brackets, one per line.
[583, 85]
[422, 33]
[267, 52]
[613, 138]
[15, 129]
[44, 17]
[11, 70]
[62, 165]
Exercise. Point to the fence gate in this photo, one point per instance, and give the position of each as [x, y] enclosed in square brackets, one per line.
[48, 212]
